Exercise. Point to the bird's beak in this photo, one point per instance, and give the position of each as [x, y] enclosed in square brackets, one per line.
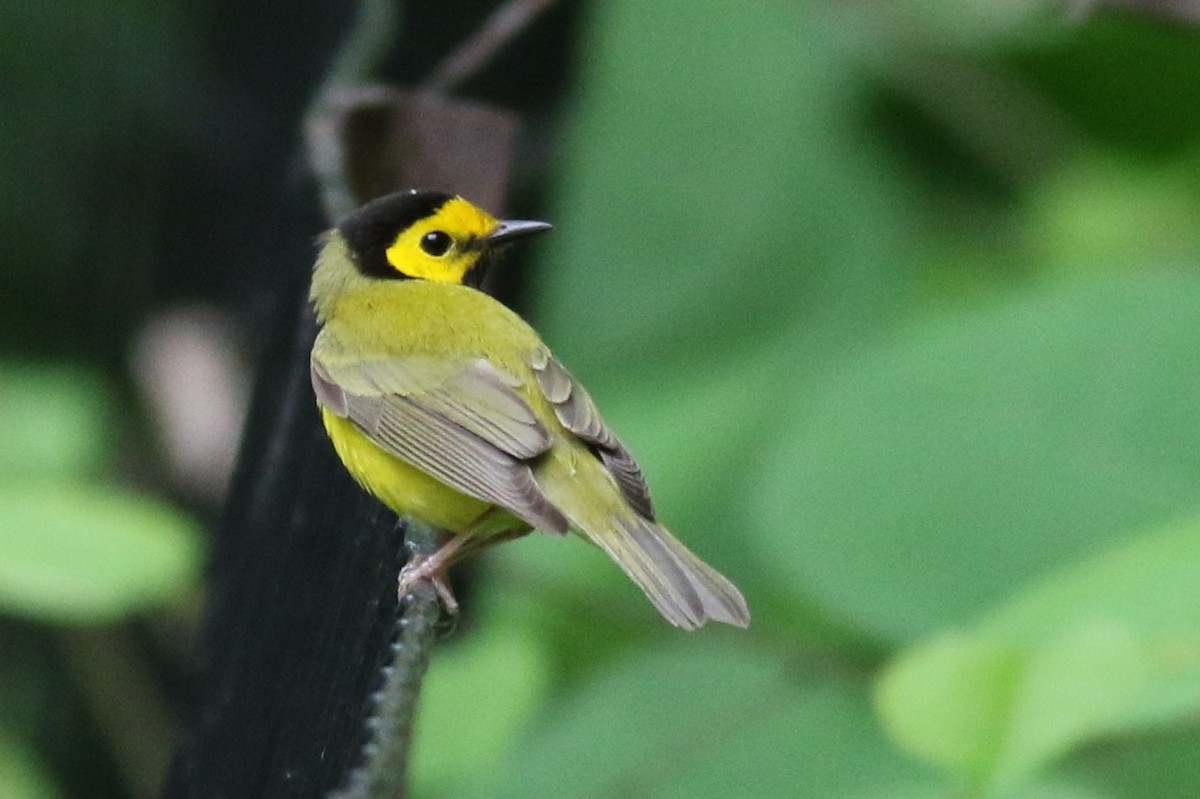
[509, 230]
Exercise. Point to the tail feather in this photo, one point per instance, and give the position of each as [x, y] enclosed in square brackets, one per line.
[721, 599]
[685, 590]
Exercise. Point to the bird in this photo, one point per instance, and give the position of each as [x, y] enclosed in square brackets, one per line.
[447, 406]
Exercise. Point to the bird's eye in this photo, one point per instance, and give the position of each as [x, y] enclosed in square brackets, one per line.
[436, 243]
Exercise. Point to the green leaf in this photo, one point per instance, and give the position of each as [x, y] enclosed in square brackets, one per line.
[1051, 789]
[944, 789]
[1141, 595]
[1162, 766]
[707, 189]
[1124, 82]
[21, 776]
[915, 487]
[84, 553]
[1110, 645]
[946, 701]
[1105, 215]
[700, 721]
[1145, 582]
[475, 698]
[54, 421]
[1077, 687]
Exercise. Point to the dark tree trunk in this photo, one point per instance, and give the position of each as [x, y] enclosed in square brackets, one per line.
[301, 605]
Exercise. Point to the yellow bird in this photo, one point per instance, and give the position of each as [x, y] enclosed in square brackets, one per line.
[448, 407]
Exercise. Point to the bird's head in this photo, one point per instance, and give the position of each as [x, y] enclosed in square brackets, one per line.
[426, 235]
[412, 235]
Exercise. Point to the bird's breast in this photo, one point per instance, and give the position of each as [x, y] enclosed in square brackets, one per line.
[408, 491]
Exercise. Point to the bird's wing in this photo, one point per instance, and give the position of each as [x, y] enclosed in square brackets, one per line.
[576, 412]
[685, 589]
[461, 421]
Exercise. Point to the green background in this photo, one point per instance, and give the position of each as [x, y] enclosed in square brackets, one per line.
[898, 305]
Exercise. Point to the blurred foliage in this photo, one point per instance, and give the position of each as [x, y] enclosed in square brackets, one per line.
[88, 91]
[895, 301]
[74, 547]
[86, 553]
[1106, 646]
[898, 308]
[20, 774]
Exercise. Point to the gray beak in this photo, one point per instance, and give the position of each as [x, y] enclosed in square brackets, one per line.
[509, 230]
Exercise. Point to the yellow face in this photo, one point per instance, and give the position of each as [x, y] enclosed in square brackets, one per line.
[412, 235]
[443, 246]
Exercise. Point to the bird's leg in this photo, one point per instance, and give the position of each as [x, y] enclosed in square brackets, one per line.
[433, 567]
[481, 542]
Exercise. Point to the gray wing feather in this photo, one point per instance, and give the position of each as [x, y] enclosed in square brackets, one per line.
[473, 395]
[576, 412]
[461, 445]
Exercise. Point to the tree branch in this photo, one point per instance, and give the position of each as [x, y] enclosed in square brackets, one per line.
[384, 774]
[472, 55]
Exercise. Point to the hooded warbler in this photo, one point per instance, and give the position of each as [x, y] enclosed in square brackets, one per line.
[447, 406]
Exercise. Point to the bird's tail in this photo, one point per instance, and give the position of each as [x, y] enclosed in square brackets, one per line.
[686, 590]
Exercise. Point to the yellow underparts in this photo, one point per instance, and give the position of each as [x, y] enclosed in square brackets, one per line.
[407, 490]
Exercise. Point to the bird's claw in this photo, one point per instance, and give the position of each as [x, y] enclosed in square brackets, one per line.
[425, 567]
